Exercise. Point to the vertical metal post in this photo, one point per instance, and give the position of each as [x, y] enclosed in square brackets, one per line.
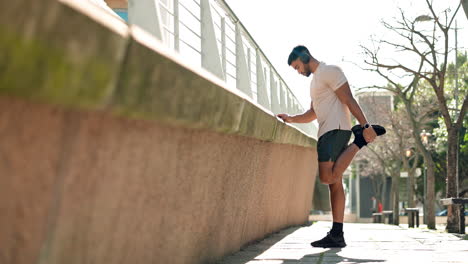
[262, 95]
[290, 102]
[249, 61]
[264, 70]
[145, 14]
[176, 25]
[242, 72]
[274, 93]
[211, 59]
[275, 101]
[358, 191]
[283, 103]
[223, 46]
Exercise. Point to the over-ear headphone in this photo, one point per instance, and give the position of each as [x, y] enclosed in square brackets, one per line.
[303, 56]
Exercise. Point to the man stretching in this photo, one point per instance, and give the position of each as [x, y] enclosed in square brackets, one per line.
[332, 102]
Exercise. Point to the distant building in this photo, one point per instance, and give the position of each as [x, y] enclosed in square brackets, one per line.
[377, 106]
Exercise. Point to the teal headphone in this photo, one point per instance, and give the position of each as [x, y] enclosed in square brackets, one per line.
[303, 55]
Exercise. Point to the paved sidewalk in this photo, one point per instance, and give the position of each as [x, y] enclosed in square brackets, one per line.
[367, 243]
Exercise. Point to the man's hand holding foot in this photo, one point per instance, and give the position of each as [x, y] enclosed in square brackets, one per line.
[366, 134]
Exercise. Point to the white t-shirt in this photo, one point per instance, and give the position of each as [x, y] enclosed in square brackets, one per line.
[331, 113]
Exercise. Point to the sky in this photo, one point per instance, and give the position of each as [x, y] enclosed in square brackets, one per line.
[333, 31]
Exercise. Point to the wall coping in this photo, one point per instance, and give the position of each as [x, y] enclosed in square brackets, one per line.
[247, 118]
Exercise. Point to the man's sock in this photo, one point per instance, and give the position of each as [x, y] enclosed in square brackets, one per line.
[337, 229]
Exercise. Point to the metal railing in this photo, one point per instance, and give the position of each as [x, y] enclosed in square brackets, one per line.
[207, 33]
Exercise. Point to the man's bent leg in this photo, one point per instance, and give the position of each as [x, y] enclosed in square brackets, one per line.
[344, 159]
[331, 172]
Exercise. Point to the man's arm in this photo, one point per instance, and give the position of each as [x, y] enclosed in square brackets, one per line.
[346, 97]
[306, 117]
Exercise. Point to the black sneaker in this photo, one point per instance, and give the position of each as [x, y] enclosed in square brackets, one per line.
[359, 138]
[379, 130]
[330, 241]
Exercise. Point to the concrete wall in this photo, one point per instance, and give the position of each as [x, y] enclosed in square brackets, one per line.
[112, 150]
[88, 187]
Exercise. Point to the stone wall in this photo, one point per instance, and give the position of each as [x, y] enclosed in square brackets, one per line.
[112, 150]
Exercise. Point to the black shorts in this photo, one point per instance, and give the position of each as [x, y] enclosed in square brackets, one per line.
[331, 144]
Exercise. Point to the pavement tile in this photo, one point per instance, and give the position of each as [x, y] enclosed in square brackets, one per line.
[367, 243]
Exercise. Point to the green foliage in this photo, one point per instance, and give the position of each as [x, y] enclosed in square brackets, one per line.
[455, 95]
[436, 126]
[426, 113]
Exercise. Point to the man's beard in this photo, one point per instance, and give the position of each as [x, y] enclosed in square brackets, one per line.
[307, 71]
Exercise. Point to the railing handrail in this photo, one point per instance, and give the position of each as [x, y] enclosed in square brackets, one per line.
[224, 47]
[231, 12]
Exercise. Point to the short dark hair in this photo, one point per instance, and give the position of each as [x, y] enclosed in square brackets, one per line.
[296, 52]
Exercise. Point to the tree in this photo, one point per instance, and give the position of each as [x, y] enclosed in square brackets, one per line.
[430, 50]
[388, 154]
[377, 108]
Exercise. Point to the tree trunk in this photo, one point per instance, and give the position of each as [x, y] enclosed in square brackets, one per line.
[429, 200]
[430, 195]
[395, 195]
[384, 192]
[411, 188]
[452, 180]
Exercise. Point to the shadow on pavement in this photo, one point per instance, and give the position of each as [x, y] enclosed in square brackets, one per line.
[330, 256]
[253, 252]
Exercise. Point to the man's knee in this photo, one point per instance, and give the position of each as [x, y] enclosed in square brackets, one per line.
[329, 177]
[326, 172]
[326, 178]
